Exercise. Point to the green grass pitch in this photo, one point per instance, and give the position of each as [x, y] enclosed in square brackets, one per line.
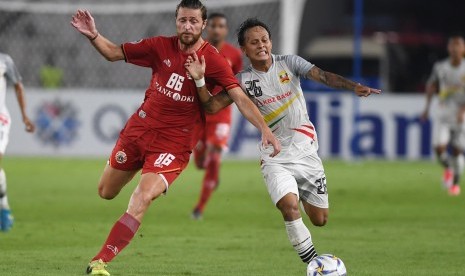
[386, 218]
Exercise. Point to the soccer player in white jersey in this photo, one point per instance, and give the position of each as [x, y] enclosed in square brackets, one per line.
[273, 82]
[8, 71]
[448, 80]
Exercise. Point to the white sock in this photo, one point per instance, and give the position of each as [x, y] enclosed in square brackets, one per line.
[3, 197]
[301, 240]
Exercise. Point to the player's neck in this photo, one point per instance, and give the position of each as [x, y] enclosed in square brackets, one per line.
[455, 61]
[189, 49]
[262, 65]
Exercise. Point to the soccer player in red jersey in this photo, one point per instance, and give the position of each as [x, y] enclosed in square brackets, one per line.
[159, 137]
[215, 136]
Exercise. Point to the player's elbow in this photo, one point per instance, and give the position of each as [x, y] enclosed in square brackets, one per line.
[211, 107]
[112, 58]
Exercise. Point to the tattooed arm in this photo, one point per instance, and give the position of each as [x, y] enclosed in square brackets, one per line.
[339, 82]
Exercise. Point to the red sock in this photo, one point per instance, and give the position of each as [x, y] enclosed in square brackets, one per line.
[210, 180]
[120, 235]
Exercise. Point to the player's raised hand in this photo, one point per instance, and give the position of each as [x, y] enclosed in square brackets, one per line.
[30, 127]
[365, 91]
[84, 23]
[196, 67]
[269, 138]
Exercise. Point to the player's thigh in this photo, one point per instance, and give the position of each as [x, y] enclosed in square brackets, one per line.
[313, 192]
[318, 216]
[113, 180]
[279, 181]
[123, 164]
[167, 165]
[217, 136]
[4, 136]
[441, 133]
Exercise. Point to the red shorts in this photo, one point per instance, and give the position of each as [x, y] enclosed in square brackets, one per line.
[216, 134]
[131, 154]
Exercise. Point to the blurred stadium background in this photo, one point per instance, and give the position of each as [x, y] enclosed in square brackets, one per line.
[389, 216]
[386, 44]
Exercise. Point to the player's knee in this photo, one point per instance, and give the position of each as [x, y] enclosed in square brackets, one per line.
[289, 210]
[105, 193]
[319, 219]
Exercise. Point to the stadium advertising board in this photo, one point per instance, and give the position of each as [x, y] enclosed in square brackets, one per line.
[87, 123]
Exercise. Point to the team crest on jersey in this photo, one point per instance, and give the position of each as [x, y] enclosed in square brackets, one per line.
[284, 77]
[121, 157]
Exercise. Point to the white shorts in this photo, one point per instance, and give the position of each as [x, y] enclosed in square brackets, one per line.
[4, 135]
[303, 177]
[446, 132]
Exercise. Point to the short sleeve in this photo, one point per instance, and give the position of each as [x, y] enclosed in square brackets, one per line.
[142, 52]
[219, 72]
[298, 65]
[12, 72]
[434, 77]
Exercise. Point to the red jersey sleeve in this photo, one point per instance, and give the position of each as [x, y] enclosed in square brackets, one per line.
[142, 52]
[219, 72]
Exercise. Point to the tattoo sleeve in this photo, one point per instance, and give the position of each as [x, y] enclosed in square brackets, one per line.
[331, 79]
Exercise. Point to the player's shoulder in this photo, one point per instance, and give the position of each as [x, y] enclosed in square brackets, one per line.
[441, 63]
[4, 57]
[246, 72]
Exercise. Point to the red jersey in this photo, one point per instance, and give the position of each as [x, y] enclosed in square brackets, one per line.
[234, 58]
[171, 106]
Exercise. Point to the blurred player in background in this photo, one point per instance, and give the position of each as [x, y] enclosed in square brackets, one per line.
[160, 136]
[215, 136]
[448, 80]
[296, 173]
[8, 71]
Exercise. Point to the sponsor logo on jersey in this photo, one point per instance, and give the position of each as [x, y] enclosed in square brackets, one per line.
[167, 62]
[121, 157]
[173, 95]
[274, 99]
[284, 77]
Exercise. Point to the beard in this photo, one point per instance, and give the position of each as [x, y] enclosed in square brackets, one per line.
[190, 40]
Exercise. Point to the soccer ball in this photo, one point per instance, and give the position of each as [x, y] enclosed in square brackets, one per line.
[328, 265]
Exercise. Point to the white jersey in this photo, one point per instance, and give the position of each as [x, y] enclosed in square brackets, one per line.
[7, 71]
[451, 80]
[279, 97]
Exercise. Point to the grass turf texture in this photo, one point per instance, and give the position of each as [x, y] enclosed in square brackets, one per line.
[386, 218]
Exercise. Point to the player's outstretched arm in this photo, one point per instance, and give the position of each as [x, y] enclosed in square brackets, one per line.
[85, 24]
[250, 111]
[19, 89]
[339, 82]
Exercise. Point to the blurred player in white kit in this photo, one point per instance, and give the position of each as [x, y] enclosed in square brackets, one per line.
[8, 71]
[448, 80]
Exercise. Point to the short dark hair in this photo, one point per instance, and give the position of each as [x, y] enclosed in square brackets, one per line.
[217, 15]
[192, 4]
[249, 24]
